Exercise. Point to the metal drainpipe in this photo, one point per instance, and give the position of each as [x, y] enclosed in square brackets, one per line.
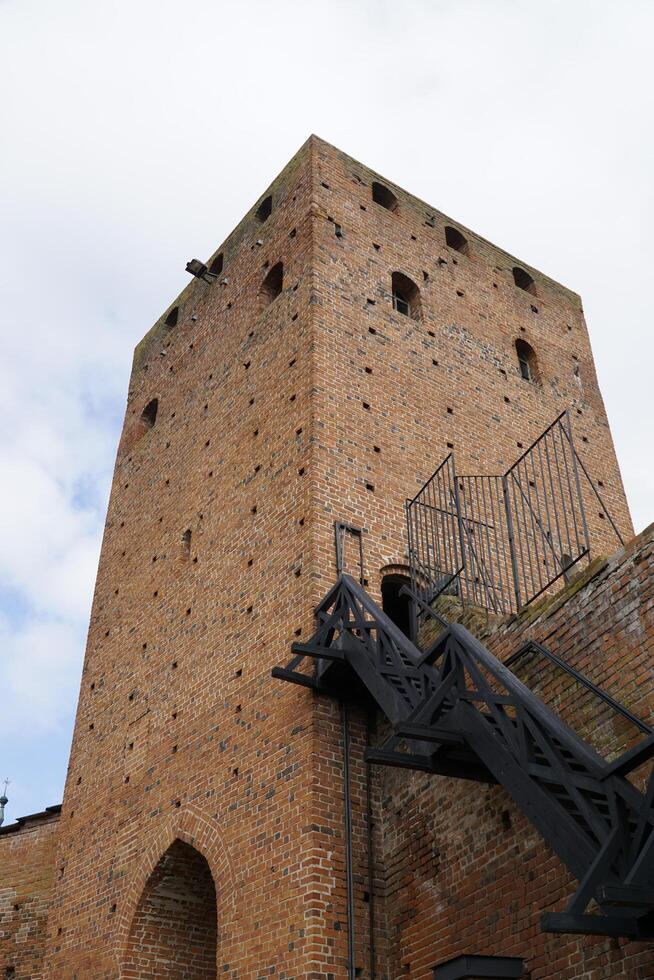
[348, 842]
[371, 866]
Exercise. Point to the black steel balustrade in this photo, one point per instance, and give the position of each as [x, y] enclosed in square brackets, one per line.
[589, 710]
[503, 540]
[456, 710]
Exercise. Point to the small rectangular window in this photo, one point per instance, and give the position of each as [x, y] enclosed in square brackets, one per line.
[401, 305]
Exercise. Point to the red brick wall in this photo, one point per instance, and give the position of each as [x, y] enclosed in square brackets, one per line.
[27, 869]
[180, 729]
[262, 439]
[459, 356]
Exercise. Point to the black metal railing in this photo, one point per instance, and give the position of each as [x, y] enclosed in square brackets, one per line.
[590, 711]
[501, 541]
[435, 533]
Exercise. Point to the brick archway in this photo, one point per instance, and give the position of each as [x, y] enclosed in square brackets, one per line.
[192, 829]
[174, 928]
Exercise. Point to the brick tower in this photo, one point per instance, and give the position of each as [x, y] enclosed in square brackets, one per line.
[342, 340]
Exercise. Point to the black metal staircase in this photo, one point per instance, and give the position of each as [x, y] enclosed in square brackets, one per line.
[457, 711]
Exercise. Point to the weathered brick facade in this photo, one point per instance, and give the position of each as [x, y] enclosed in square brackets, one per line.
[277, 412]
[27, 869]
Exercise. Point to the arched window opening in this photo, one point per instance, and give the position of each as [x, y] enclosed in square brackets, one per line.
[526, 360]
[264, 210]
[406, 295]
[171, 319]
[216, 266]
[384, 196]
[186, 543]
[396, 606]
[273, 284]
[175, 922]
[149, 413]
[523, 280]
[456, 240]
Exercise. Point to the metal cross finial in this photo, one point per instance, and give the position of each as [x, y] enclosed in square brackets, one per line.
[4, 801]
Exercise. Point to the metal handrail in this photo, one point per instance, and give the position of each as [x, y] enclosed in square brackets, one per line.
[581, 678]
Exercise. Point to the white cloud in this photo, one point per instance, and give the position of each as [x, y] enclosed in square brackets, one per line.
[40, 669]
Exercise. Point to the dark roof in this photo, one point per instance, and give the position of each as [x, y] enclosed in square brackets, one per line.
[50, 811]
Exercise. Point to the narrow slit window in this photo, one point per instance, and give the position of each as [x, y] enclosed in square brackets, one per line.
[406, 296]
[527, 361]
[172, 317]
[149, 413]
[216, 266]
[523, 280]
[384, 196]
[264, 210]
[272, 285]
[454, 239]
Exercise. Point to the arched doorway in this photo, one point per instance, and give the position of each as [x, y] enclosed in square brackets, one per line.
[396, 606]
[174, 929]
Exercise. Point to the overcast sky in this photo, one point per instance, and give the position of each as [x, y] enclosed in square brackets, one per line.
[136, 133]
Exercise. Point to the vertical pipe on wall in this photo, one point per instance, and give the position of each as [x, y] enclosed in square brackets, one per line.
[509, 525]
[349, 872]
[371, 856]
[413, 570]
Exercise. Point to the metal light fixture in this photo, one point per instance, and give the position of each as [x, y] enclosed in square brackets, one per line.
[200, 271]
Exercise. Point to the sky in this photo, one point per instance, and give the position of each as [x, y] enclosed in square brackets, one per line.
[136, 133]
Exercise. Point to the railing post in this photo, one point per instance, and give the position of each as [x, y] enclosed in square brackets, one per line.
[338, 530]
[577, 482]
[457, 504]
[509, 528]
[412, 571]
